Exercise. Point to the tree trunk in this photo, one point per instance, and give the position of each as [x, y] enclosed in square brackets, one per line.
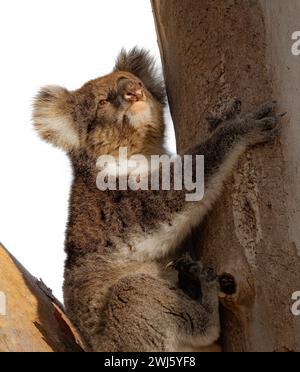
[31, 320]
[223, 49]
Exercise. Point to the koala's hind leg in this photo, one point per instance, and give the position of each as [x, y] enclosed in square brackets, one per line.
[144, 314]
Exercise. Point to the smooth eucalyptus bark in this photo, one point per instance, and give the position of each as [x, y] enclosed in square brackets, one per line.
[216, 50]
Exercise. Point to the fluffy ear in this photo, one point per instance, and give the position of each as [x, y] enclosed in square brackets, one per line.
[53, 117]
[140, 63]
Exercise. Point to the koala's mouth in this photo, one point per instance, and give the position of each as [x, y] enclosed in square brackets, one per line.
[138, 113]
[138, 107]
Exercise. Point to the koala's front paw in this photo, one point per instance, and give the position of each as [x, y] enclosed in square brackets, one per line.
[261, 124]
[193, 279]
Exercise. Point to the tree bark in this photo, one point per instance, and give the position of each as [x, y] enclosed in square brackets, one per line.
[224, 49]
[31, 319]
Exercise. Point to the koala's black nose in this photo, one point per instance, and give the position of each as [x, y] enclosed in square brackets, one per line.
[131, 91]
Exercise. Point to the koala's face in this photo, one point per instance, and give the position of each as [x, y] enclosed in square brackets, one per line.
[124, 108]
[115, 99]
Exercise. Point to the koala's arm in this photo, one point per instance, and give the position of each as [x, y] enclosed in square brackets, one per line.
[228, 141]
[167, 213]
[232, 138]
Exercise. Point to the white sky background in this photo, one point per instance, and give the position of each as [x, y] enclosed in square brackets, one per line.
[63, 42]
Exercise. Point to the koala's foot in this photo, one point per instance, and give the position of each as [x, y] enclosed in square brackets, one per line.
[229, 112]
[148, 314]
[192, 277]
[261, 124]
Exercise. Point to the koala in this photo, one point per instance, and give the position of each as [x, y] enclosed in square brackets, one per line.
[117, 290]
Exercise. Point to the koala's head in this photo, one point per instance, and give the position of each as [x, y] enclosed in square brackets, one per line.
[122, 109]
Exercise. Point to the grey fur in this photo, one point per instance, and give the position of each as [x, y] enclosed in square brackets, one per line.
[118, 243]
[123, 304]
